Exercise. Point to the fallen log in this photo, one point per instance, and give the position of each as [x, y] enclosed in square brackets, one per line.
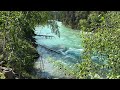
[46, 36]
[50, 49]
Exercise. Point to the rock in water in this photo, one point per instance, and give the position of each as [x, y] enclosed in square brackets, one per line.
[95, 58]
[74, 52]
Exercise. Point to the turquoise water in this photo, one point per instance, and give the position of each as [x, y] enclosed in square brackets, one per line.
[68, 37]
[69, 46]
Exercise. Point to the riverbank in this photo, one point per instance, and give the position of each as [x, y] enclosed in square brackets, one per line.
[17, 73]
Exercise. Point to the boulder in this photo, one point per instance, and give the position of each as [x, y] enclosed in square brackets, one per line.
[8, 72]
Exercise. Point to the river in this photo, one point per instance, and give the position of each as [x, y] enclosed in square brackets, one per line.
[69, 46]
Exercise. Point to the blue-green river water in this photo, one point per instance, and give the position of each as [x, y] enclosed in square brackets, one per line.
[69, 46]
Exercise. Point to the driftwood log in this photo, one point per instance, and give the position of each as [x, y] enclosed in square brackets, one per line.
[46, 36]
[50, 49]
